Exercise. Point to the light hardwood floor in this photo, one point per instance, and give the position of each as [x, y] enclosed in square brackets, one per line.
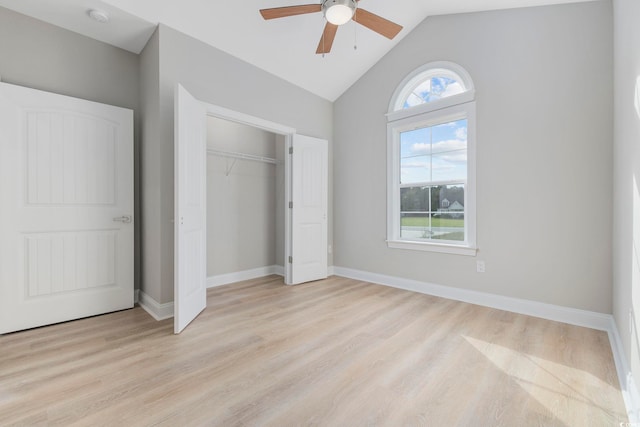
[337, 352]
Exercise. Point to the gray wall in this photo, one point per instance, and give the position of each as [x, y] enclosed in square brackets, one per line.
[220, 79]
[150, 166]
[626, 185]
[543, 80]
[42, 56]
[241, 199]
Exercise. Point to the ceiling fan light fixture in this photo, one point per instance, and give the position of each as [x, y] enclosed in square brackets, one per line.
[338, 12]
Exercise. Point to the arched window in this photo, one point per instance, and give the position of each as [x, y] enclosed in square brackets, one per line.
[431, 137]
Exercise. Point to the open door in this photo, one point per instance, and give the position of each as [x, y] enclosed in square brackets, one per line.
[309, 170]
[190, 246]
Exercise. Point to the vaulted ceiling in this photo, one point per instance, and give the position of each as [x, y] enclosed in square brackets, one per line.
[284, 47]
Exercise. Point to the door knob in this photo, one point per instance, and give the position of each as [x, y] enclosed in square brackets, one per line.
[124, 218]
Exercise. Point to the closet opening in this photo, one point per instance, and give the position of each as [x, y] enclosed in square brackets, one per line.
[246, 192]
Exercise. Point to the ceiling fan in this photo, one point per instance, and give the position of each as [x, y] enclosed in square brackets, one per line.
[336, 12]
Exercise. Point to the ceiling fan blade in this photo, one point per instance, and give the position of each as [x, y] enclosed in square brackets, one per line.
[281, 12]
[377, 23]
[326, 40]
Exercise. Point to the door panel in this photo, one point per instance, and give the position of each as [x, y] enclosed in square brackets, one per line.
[70, 261]
[190, 252]
[309, 212]
[67, 172]
[70, 159]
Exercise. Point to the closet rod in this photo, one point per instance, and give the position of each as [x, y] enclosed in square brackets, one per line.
[242, 156]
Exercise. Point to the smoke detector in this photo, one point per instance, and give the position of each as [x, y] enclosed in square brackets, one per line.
[98, 15]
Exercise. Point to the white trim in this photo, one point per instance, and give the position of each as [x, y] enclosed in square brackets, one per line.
[433, 247]
[330, 271]
[394, 129]
[440, 104]
[628, 386]
[154, 308]
[136, 296]
[571, 316]
[238, 276]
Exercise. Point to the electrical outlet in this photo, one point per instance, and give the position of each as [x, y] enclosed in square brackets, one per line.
[480, 266]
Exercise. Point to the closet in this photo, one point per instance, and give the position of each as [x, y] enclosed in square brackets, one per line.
[245, 201]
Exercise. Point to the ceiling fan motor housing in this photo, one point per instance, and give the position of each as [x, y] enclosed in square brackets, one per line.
[338, 12]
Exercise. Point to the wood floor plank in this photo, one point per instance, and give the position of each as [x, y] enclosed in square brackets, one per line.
[335, 352]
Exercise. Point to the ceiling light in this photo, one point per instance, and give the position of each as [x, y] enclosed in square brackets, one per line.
[338, 12]
[98, 15]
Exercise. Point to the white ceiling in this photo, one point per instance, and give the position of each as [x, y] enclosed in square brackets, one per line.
[284, 47]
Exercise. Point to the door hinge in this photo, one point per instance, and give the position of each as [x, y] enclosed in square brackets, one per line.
[290, 150]
[290, 205]
[290, 260]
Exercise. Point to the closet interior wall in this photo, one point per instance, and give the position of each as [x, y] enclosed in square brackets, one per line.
[245, 198]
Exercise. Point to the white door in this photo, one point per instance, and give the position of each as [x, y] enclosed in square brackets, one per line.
[190, 250]
[66, 208]
[309, 172]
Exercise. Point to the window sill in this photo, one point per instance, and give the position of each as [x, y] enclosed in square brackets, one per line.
[432, 247]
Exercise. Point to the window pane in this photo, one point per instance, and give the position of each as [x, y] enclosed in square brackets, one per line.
[447, 222]
[423, 91]
[414, 199]
[451, 166]
[415, 226]
[446, 86]
[448, 198]
[415, 163]
[412, 101]
[432, 212]
[414, 212]
[415, 169]
[448, 227]
[415, 142]
[432, 89]
[449, 149]
[449, 136]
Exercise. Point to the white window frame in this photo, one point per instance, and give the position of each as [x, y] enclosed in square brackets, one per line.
[457, 107]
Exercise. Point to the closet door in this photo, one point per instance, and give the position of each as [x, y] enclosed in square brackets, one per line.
[309, 175]
[66, 215]
[190, 250]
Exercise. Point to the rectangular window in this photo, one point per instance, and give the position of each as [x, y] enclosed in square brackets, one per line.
[433, 174]
[431, 200]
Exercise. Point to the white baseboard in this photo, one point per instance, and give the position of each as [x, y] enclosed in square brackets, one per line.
[154, 308]
[165, 311]
[238, 276]
[572, 316]
[627, 382]
[330, 270]
[136, 296]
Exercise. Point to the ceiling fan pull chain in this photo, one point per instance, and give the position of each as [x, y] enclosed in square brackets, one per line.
[355, 31]
[323, 49]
